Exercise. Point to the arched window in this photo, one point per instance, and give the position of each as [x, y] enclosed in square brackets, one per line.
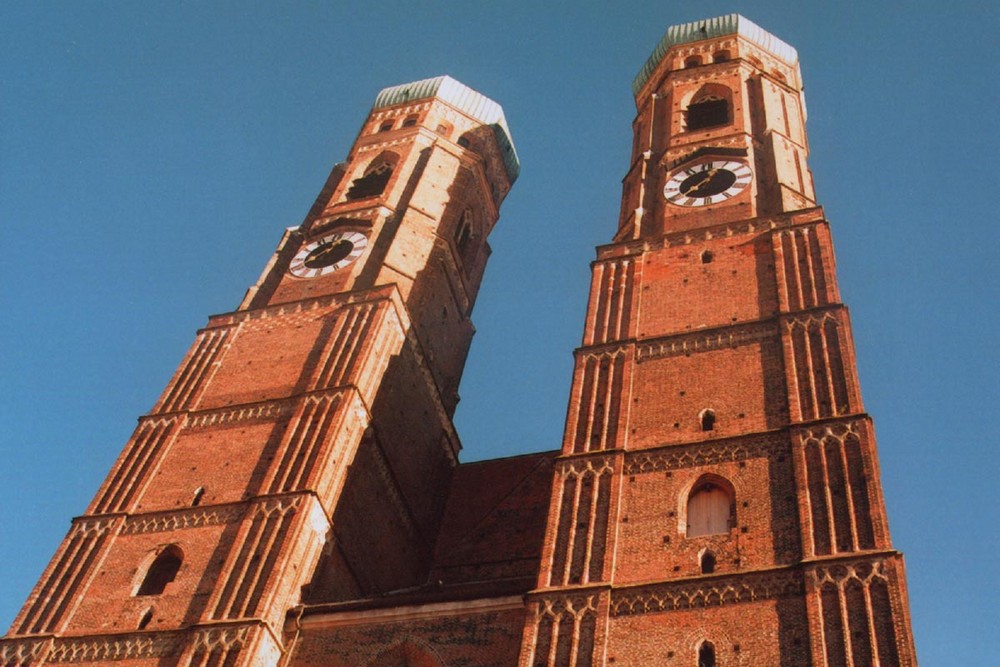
[198, 493]
[710, 508]
[385, 127]
[161, 572]
[707, 563]
[706, 654]
[144, 620]
[707, 418]
[375, 178]
[693, 61]
[708, 107]
[409, 121]
[720, 56]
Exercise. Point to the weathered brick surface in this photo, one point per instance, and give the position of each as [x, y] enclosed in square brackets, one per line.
[463, 640]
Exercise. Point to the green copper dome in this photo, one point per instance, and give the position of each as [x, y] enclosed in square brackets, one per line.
[464, 99]
[731, 24]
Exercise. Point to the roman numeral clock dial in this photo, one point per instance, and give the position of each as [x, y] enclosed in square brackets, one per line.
[327, 254]
[707, 183]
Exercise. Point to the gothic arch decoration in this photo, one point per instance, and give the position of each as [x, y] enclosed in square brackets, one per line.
[407, 654]
[599, 389]
[582, 531]
[709, 106]
[375, 177]
[821, 383]
[841, 496]
[709, 507]
[856, 610]
[161, 571]
[565, 632]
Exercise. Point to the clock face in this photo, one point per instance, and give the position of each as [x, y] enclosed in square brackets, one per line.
[327, 254]
[707, 183]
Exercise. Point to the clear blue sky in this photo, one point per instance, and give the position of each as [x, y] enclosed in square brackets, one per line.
[151, 154]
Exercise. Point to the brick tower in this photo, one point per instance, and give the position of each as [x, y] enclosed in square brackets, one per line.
[294, 499]
[717, 498]
[339, 370]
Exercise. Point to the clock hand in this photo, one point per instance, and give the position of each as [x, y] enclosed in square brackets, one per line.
[324, 250]
[701, 183]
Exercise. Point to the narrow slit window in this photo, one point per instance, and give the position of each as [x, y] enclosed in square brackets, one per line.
[706, 655]
[198, 493]
[144, 620]
[707, 563]
[707, 418]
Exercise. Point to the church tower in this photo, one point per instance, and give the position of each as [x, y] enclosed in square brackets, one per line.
[717, 499]
[295, 499]
[336, 377]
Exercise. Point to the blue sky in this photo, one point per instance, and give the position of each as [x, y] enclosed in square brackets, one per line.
[152, 153]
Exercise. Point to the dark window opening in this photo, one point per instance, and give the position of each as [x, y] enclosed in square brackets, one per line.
[707, 420]
[707, 112]
[161, 572]
[721, 56]
[464, 237]
[410, 121]
[707, 563]
[371, 184]
[706, 655]
[198, 493]
[146, 617]
[385, 127]
[707, 257]
[693, 61]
